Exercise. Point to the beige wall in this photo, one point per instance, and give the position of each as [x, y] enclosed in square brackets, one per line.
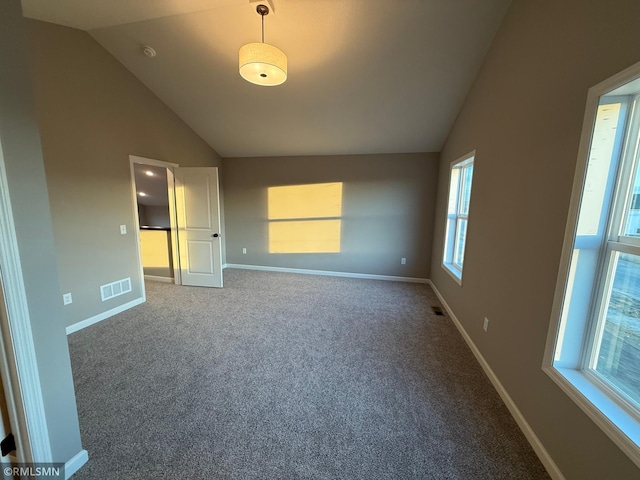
[93, 113]
[21, 154]
[388, 207]
[524, 116]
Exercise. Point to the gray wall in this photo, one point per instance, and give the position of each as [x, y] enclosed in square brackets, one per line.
[524, 116]
[388, 208]
[22, 153]
[153, 216]
[142, 214]
[93, 113]
[157, 216]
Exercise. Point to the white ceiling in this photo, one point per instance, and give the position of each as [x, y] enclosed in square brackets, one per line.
[365, 76]
[153, 186]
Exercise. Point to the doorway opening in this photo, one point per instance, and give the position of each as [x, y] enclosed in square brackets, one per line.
[189, 250]
[153, 190]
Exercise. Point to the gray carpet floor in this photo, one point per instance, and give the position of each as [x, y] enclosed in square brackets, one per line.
[285, 376]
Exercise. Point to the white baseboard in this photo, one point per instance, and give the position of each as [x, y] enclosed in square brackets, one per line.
[157, 278]
[304, 271]
[104, 315]
[542, 453]
[73, 465]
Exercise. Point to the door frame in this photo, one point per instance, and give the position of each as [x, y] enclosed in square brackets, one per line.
[18, 363]
[171, 191]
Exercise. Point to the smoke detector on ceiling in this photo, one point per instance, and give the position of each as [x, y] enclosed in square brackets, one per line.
[148, 51]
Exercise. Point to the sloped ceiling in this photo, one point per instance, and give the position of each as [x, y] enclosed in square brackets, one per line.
[365, 76]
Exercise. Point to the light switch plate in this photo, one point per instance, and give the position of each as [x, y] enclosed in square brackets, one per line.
[123, 229]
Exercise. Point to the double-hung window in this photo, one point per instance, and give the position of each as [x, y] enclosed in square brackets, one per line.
[593, 351]
[455, 238]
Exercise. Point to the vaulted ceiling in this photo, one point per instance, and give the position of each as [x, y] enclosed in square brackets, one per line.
[365, 76]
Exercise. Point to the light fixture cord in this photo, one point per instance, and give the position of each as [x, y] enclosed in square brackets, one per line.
[262, 15]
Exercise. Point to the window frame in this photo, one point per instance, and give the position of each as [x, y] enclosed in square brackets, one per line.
[596, 396]
[452, 231]
[614, 243]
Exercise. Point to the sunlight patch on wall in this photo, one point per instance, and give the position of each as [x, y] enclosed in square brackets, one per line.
[305, 218]
[313, 236]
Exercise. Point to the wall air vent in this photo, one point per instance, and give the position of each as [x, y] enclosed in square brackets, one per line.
[115, 289]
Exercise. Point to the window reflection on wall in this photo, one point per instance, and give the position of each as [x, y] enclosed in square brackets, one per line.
[305, 218]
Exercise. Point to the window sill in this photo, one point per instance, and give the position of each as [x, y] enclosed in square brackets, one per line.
[454, 272]
[622, 428]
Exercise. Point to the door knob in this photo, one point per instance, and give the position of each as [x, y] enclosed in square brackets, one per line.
[215, 235]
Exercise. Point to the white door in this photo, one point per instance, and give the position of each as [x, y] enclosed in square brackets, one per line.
[199, 241]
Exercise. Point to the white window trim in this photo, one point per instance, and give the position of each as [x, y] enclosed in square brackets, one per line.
[614, 420]
[450, 267]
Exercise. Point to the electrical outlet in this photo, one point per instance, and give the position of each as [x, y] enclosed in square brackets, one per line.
[123, 229]
[485, 325]
[403, 261]
[66, 299]
[244, 251]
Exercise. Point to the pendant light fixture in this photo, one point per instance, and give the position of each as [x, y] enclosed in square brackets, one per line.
[261, 63]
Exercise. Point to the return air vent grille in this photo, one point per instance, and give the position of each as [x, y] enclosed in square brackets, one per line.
[115, 289]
